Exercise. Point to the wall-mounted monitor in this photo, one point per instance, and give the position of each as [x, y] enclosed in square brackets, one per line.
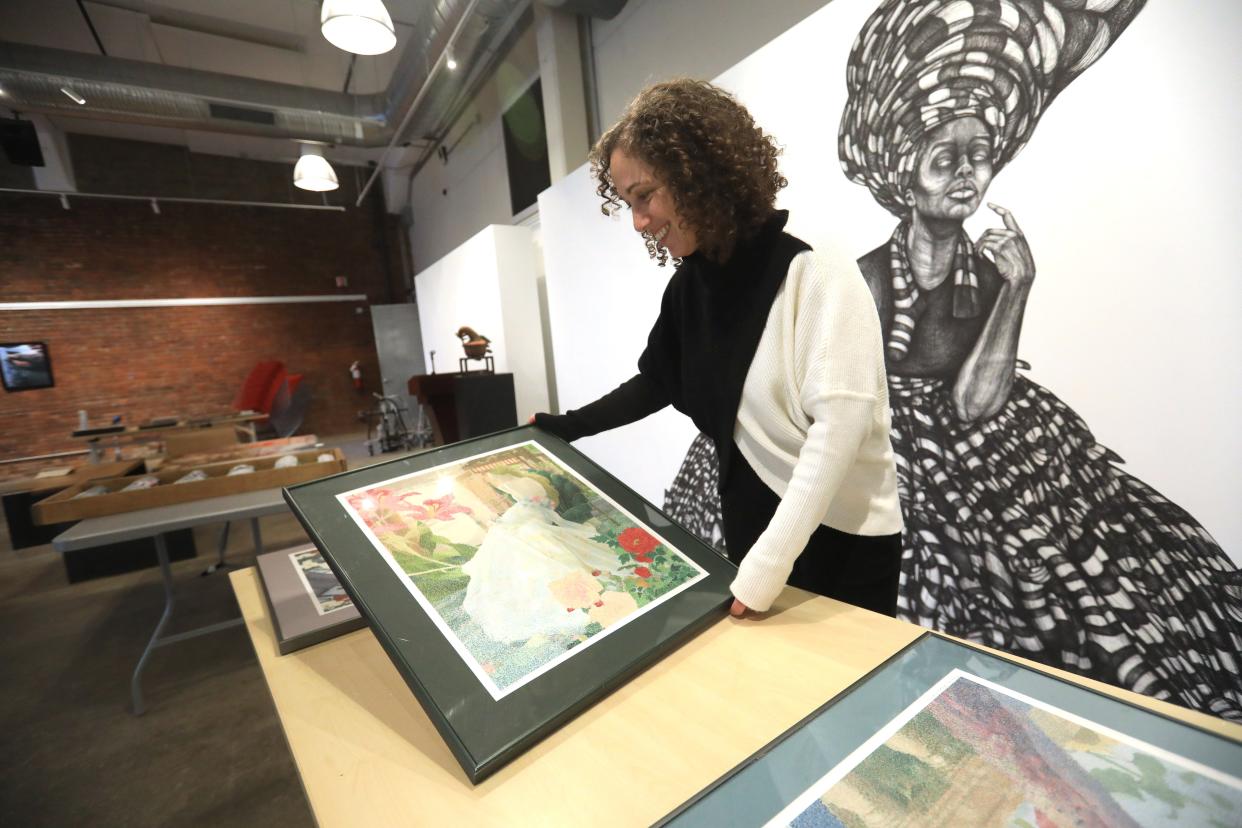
[25, 366]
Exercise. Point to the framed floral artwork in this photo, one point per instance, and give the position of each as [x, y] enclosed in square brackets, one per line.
[512, 581]
[947, 734]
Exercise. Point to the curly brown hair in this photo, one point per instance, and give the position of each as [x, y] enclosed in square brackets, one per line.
[718, 165]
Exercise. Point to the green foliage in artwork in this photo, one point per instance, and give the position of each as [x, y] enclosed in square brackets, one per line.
[929, 730]
[441, 584]
[900, 778]
[1221, 802]
[409, 562]
[1118, 782]
[609, 521]
[1154, 780]
[528, 474]
[1019, 822]
[571, 502]
[593, 628]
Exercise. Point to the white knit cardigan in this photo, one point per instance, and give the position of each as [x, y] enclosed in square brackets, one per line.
[814, 420]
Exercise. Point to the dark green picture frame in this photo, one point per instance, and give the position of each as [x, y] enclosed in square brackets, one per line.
[485, 733]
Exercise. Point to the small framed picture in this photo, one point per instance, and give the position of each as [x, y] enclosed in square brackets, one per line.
[308, 604]
[25, 366]
[512, 581]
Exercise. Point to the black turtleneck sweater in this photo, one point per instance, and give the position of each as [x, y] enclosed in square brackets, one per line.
[701, 346]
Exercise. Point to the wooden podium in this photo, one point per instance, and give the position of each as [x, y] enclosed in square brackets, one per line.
[468, 404]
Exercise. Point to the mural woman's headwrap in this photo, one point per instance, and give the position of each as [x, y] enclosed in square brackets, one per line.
[918, 64]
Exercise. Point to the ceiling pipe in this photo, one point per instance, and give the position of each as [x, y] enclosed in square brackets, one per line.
[64, 196]
[452, 112]
[432, 73]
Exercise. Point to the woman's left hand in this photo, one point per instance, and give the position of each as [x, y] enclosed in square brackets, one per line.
[738, 609]
[1008, 248]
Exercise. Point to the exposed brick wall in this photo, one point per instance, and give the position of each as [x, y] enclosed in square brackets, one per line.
[147, 362]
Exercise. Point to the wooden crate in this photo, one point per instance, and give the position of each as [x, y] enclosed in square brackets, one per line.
[236, 453]
[64, 507]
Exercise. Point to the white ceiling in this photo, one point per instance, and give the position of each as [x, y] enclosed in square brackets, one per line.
[273, 40]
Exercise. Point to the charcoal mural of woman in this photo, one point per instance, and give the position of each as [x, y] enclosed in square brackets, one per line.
[1022, 532]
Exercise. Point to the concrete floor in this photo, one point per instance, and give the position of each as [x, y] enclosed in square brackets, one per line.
[208, 751]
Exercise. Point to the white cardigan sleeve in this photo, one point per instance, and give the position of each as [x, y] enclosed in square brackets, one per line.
[834, 346]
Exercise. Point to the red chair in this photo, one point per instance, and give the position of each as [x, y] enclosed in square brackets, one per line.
[260, 387]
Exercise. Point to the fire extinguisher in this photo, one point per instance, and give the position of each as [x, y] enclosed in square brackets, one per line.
[355, 371]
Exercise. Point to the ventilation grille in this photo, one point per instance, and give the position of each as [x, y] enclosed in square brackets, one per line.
[240, 113]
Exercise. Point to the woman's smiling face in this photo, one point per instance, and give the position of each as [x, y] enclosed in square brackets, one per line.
[953, 171]
[651, 202]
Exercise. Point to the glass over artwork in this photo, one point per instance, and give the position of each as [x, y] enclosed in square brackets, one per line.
[518, 561]
[948, 735]
[319, 581]
[970, 752]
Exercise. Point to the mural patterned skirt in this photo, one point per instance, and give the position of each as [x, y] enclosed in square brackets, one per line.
[1023, 534]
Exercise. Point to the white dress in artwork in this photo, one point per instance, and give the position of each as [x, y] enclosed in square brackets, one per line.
[529, 547]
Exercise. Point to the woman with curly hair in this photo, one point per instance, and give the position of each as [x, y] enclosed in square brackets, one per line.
[774, 353]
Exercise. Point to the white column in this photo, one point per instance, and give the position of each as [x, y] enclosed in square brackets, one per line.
[564, 104]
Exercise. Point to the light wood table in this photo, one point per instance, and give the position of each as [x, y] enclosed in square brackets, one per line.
[368, 755]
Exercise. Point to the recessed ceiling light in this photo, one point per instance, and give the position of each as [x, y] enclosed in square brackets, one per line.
[450, 61]
[359, 26]
[313, 172]
[73, 96]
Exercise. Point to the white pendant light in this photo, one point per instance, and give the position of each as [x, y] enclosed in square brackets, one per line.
[359, 26]
[313, 172]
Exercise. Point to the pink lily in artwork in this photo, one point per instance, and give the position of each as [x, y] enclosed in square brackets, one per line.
[434, 508]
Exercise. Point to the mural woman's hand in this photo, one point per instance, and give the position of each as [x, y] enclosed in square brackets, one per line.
[1008, 248]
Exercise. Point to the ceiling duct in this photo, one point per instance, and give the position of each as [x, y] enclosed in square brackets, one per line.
[147, 93]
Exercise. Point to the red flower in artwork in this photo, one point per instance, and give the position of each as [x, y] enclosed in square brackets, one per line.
[637, 541]
[643, 558]
[642, 572]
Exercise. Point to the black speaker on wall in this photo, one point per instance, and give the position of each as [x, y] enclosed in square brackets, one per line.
[20, 142]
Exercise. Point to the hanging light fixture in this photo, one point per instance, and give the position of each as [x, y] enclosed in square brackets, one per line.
[313, 172]
[359, 26]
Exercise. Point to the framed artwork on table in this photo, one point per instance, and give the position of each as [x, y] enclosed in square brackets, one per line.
[307, 603]
[512, 581]
[943, 734]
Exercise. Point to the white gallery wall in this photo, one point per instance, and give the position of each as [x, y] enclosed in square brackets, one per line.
[651, 40]
[488, 284]
[603, 294]
[452, 200]
[1126, 194]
